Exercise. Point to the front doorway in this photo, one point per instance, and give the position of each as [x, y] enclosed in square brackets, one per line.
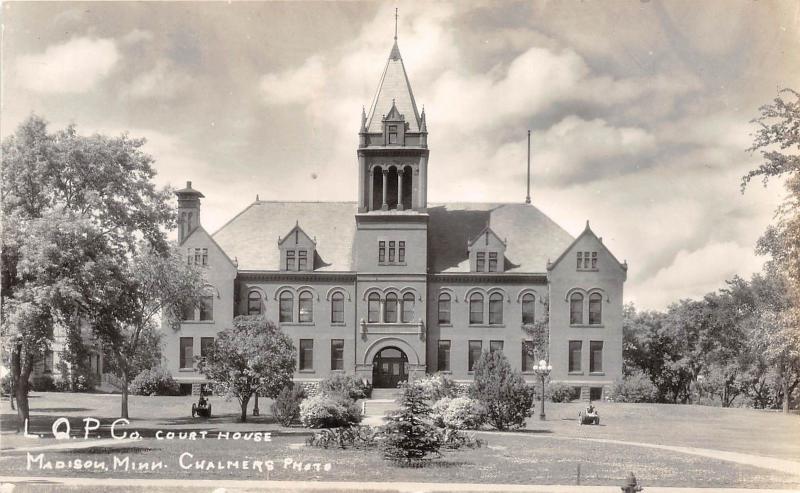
[389, 368]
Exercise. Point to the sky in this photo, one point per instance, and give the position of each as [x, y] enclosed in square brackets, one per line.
[639, 110]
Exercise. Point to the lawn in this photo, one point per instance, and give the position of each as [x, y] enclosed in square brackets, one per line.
[547, 455]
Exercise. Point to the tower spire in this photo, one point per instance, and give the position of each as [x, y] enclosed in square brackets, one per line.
[395, 24]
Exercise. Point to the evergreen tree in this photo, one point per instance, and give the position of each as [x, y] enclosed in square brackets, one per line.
[409, 437]
[503, 391]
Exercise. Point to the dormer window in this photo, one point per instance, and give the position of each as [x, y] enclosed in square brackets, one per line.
[486, 252]
[297, 251]
[587, 260]
[197, 256]
[393, 134]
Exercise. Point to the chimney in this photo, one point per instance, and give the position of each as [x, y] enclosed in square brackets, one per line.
[188, 211]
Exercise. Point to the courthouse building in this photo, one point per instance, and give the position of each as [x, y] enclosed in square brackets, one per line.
[390, 286]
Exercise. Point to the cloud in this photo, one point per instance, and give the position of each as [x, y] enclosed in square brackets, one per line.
[75, 66]
[695, 273]
[136, 36]
[163, 81]
[299, 85]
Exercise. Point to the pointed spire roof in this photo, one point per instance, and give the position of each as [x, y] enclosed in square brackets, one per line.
[394, 86]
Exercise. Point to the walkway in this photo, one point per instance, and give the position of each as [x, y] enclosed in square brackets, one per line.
[229, 486]
[782, 465]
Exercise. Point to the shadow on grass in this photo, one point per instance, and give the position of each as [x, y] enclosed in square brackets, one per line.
[531, 432]
[116, 450]
[59, 409]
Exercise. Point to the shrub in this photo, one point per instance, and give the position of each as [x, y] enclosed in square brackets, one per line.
[360, 437]
[286, 408]
[454, 439]
[348, 385]
[437, 386]
[155, 381]
[408, 437]
[329, 411]
[561, 392]
[5, 384]
[502, 391]
[43, 383]
[634, 388]
[460, 413]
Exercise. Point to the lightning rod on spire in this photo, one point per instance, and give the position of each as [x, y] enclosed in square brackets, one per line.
[395, 24]
[528, 196]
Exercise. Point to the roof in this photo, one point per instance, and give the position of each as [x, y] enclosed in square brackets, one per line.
[587, 231]
[189, 191]
[393, 87]
[532, 238]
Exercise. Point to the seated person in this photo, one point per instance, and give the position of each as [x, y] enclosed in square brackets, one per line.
[202, 402]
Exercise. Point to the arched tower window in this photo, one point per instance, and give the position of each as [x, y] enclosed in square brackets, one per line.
[254, 303]
[391, 188]
[576, 309]
[377, 188]
[528, 308]
[408, 307]
[408, 177]
[390, 309]
[286, 307]
[306, 308]
[337, 308]
[496, 309]
[595, 309]
[476, 308]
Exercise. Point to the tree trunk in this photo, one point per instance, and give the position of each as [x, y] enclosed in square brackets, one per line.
[785, 388]
[244, 402]
[21, 372]
[124, 410]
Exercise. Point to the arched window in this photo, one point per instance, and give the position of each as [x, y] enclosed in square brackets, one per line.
[286, 307]
[576, 308]
[595, 309]
[528, 308]
[374, 308]
[306, 308]
[390, 309]
[444, 308]
[337, 308]
[496, 309]
[254, 303]
[476, 308]
[408, 307]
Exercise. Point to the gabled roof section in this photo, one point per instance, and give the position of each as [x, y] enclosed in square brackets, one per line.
[486, 237]
[296, 236]
[394, 88]
[587, 231]
[394, 115]
[200, 230]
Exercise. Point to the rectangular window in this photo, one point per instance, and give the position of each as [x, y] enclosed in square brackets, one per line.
[306, 354]
[381, 251]
[337, 309]
[204, 256]
[48, 361]
[206, 343]
[393, 134]
[289, 259]
[186, 352]
[391, 251]
[197, 259]
[443, 356]
[337, 354]
[480, 261]
[594, 260]
[189, 256]
[401, 251]
[585, 260]
[580, 259]
[475, 348]
[207, 307]
[595, 356]
[444, 309]
[286, 307]
[306, 308]
[528, 360]
[495, 346]
[492, 261]
[188, 312]
[302, 260]
[575, 355]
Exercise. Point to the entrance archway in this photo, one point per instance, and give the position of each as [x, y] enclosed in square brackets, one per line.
[389, 367]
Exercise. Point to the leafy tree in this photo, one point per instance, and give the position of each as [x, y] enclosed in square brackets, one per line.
[253, 355]
[408, 436]
[150, 287]
[539, 334]
[72, 207]
[777, 327]
[502, 390]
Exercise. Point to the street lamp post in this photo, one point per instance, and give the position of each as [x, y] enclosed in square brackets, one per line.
[543, 370]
